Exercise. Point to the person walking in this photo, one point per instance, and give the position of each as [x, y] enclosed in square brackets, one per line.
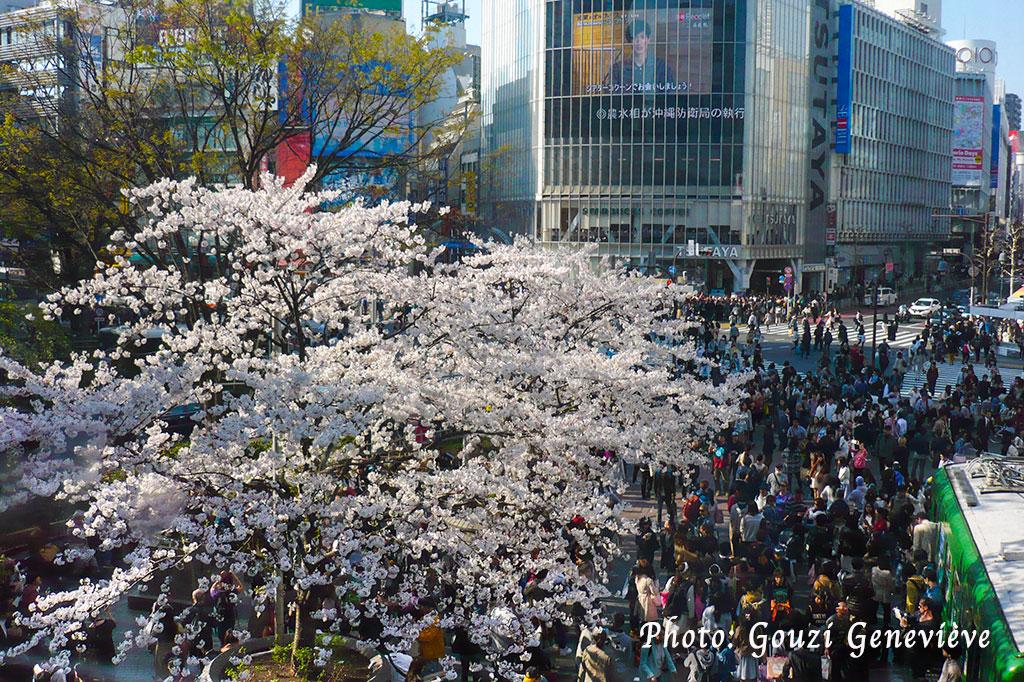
[932, 378]
[665, 493]
[597, 663]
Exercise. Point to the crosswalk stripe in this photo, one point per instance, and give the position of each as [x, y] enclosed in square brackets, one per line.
[904, 337]
[948, 376]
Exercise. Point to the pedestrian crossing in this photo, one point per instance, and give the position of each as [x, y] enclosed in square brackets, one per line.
[949, 375]
[905, 335]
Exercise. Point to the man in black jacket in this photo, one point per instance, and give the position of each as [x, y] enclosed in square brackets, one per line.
[665, 492]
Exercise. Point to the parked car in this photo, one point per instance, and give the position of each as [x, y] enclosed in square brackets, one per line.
[924, 307]
[886, 297]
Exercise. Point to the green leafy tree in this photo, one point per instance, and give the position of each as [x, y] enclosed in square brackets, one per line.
[199, 89]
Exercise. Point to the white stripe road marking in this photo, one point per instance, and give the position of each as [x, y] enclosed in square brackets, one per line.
[904, 337]
[948, 376]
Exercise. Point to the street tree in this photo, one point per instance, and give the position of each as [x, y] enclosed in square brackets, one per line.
[379, 477]
[211, 90]
[1013, 248]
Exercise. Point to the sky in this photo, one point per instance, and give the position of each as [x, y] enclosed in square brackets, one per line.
[998, 20]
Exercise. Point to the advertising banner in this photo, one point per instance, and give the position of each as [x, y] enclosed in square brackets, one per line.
[994, 158]
[820, 102]
[844, 79]
[968, 138]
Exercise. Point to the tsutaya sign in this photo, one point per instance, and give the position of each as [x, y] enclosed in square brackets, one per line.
[821, 101]
[709, 251]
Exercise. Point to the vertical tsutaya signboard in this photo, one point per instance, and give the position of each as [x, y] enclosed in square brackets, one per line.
[968, 134]
[844, 79]
[996, 140]
[822, 85]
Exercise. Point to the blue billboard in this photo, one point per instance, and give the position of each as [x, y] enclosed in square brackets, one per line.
[996, 140]
[844, 79]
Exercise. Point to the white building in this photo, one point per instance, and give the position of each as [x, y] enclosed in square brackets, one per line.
[926, 15]
[55, 48]
[891, 170]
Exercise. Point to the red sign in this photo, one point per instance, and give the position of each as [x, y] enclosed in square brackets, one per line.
[889, 267]
[830, 236]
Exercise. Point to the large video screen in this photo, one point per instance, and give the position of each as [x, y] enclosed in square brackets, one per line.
[646, 72]
[642, 52]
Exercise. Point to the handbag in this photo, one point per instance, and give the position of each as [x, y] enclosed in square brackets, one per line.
[774, 667]
[826, 668]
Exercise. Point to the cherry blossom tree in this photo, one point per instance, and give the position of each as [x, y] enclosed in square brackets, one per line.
[387, 440]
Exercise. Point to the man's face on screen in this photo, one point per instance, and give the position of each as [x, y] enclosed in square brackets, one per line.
[640, 43]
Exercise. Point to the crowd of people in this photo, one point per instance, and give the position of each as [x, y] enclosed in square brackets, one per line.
[213, 613]
[813, 512]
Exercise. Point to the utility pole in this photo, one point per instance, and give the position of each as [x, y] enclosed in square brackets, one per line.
[984, 274]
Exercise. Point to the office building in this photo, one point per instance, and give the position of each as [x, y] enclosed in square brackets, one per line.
[697, 139]
[1013, 110]
[892, 164]
[53, 50]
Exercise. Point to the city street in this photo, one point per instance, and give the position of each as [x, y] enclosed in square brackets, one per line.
[382, 340]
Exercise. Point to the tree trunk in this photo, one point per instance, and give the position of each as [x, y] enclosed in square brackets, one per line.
[279, 614]
[305, 628]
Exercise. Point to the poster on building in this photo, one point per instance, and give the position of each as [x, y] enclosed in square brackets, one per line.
[968, 140]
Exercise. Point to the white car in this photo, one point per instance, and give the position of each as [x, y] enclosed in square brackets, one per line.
[886, 297]
[924, 307]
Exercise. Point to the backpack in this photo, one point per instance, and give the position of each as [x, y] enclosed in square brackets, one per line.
[780, 610]
[691, 510]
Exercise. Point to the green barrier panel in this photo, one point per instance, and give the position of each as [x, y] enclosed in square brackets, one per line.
[971, 600]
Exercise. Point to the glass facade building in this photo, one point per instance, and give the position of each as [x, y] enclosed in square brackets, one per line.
[685, 136]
